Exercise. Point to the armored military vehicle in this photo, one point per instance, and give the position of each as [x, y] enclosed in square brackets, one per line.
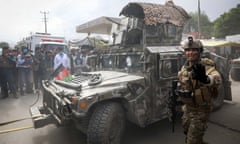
[132, 81]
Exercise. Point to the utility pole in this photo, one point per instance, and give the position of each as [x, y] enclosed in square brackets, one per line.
[45, 19]
[199, 13]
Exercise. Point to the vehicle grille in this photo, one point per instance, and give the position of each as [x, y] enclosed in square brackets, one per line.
[80, 79]
[50, 102]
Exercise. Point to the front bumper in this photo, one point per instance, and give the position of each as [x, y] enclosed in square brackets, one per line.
[42, 117]
[57, 109]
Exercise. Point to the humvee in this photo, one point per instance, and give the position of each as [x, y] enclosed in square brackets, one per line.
[131, 81]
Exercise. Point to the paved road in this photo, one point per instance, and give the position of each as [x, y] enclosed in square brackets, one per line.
[224, 127]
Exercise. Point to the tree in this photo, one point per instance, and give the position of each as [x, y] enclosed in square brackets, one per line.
[4, 44]
[205, 24]
[228, 23]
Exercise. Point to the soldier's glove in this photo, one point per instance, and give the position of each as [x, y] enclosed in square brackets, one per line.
[199, 73]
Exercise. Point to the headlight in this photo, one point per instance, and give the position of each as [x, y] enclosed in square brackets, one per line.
[83, 104]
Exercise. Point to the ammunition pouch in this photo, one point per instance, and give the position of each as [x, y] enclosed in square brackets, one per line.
[199, 97]
[186, 96]
[185, 93]
[202, 96]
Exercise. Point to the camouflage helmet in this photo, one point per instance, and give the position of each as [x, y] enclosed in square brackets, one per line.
[191, 43]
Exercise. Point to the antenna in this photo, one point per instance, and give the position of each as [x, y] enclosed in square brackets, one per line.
[45, 19]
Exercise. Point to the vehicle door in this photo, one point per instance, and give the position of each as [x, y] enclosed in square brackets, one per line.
[168, 62]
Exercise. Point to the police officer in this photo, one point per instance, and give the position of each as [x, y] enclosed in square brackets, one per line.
[46, 65]
[7, 63]
[37, 58]
[4, 64]
[199, 80]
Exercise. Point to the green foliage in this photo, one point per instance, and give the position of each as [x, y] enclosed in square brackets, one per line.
[205, 24]
[4, 44]
[228, 23]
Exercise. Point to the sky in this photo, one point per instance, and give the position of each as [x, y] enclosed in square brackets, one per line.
[20, 18]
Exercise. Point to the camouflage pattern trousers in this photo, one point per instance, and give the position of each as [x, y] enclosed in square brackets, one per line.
[194, 124]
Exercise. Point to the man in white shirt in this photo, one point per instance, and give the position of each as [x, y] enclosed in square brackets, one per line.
[61, 58]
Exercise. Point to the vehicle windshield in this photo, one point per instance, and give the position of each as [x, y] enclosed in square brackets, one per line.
[130, 62]
[121, 62]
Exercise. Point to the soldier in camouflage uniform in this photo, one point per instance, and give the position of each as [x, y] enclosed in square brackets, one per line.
[199, 81]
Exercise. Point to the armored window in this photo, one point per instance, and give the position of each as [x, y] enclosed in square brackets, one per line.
[152, 31]
[136, 65]
[108, 61]
[130, 61]
[122, 61]
[170, 30]
[153, 35]
[168, 68]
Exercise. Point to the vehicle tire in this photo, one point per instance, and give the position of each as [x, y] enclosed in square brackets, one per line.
[218, 101]
[107, 124]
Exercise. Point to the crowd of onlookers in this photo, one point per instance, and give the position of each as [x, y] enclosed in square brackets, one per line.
[21, 71]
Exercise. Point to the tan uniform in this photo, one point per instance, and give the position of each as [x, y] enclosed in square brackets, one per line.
[197, 100]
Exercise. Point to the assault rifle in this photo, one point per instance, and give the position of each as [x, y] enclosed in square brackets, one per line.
[173, 103]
